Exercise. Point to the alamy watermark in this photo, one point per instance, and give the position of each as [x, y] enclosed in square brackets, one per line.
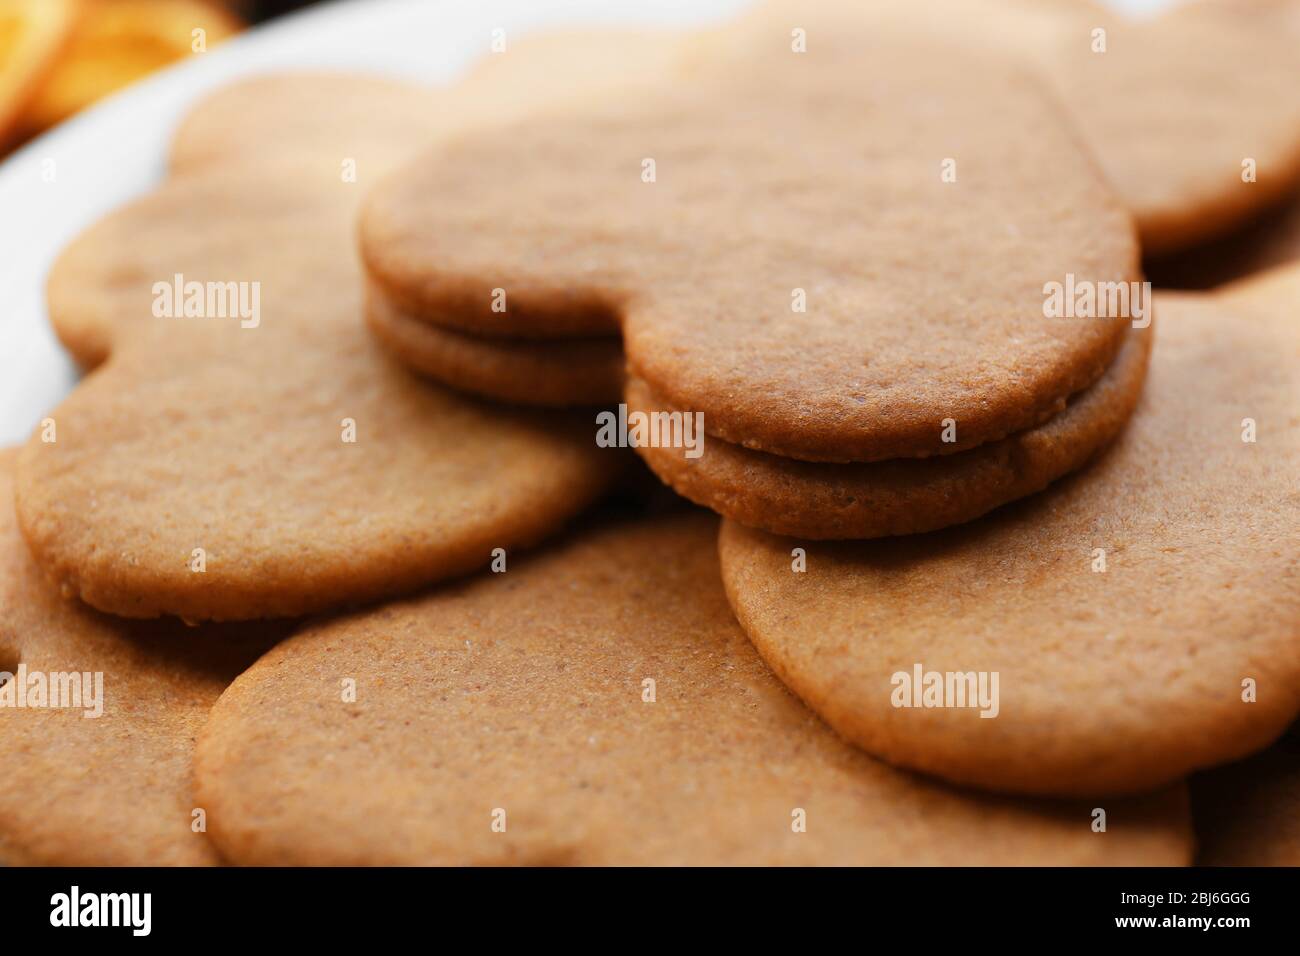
[626, 429]
[55, 689]
[133, 911]
[180, 299]
[921, 688]
[1085, 299]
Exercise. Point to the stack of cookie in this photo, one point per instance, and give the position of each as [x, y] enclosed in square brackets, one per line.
[1002, 561]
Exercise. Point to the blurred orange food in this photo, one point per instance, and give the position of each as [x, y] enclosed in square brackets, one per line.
[59, 56]
[32, 33]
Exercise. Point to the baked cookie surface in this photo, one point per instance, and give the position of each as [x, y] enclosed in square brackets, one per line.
[1193, 112]
[1143, 615]
[743, 289]
[266, 458]
[111, 789]
[327, 117]
[548, 372]
[904, 495]
[593, 704]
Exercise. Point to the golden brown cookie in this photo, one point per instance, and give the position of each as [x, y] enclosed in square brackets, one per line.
[1219, 90]
[1272, 240]
[1248, 813]
[1143, 616]
[1270, 289]
[330, 117]
[273, 461]
[543, 75]
[365, 121]
[323, 117]
[527, 371]
[690, 220]
[1174, 106]
[903, 495]
[112, 789]
[594, 704]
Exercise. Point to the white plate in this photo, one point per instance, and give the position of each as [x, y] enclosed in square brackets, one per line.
[115, 150]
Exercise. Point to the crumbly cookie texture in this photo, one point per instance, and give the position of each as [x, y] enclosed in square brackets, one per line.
[102, 778]
[1142, 615]
[547, 372]
[1193, 114]
[596, 703]
[788, 294]
[272, 460]
[903, 495]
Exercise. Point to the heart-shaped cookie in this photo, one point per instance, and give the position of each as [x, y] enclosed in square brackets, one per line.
[245, 449]
[97, 721]
[1141, 619]
[594, 704]
[772, 264]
